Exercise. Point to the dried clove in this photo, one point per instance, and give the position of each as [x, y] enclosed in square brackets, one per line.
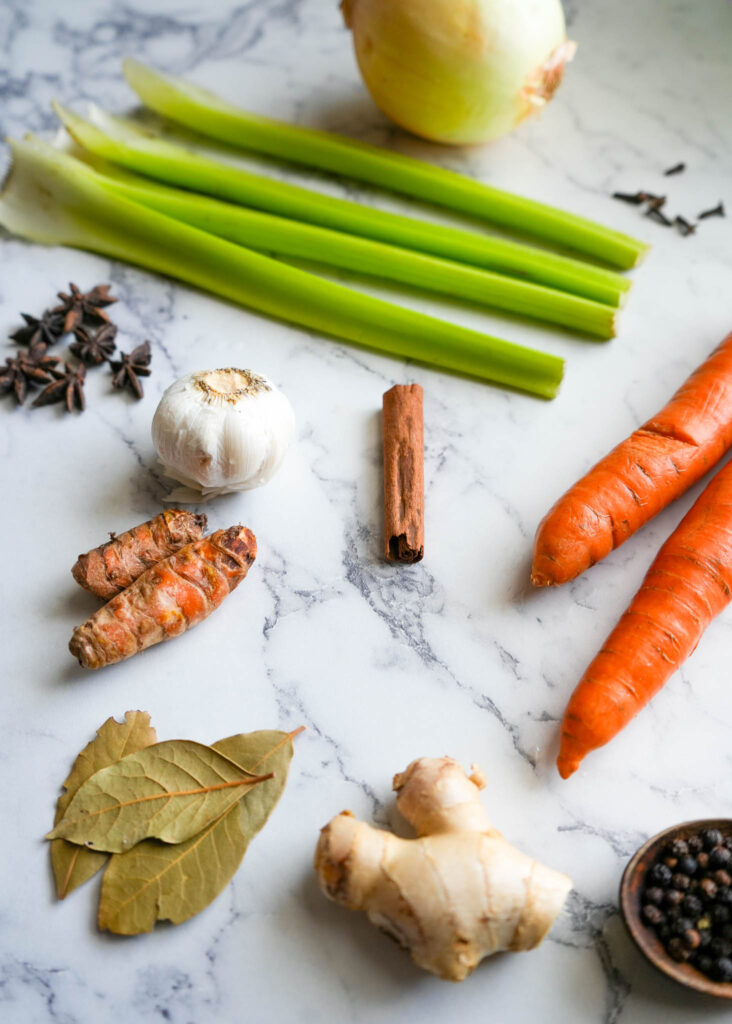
[676, 169]
[655, 213]
[714, 211]
[685, 227]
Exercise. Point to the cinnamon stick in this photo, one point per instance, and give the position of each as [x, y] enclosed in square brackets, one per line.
[403, 424]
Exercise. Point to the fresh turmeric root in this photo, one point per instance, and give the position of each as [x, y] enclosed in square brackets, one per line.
[457, 893]
[112, 567]
[168, 599]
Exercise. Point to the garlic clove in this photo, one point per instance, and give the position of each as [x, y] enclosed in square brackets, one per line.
[219, 431]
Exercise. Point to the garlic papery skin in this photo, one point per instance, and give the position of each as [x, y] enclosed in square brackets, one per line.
[218, 431]
[459, 71]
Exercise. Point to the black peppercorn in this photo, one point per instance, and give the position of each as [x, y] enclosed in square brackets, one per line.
[691, 938]
[711, 837]
[652, 915]
[678, 950]
[722, 969]
[722, 878]
[719, 914]
[663, 931]
[672, 898]
[677, 848]
[680, 881]
[653, 895]
[687, 865]
[727, 841]
[702, 860]
[705, 937]
[695, 844]
[660, 875]
[671, 862]
[691, 905]
[719, 947]
[681, 925]
[703, 962]
[708, 888]
[720, 857]
[724, 895]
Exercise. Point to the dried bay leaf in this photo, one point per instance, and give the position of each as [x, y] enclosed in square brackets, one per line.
[169, 791]
[156, 882]
[74, 865]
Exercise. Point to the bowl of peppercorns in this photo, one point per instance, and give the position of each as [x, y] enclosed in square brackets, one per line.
[676, 900]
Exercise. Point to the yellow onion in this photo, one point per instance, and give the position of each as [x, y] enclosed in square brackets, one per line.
[459, 71]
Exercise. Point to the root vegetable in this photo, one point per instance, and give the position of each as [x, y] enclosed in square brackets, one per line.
[168, 599]
[110, 568]
[641, 476]
[457, 893]
[688, 584]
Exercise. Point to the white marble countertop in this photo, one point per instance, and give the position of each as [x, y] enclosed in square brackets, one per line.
[381, 664]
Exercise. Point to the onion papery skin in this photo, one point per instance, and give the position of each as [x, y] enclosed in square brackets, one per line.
[459, 72]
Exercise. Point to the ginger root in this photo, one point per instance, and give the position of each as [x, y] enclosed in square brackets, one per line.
[454, 895]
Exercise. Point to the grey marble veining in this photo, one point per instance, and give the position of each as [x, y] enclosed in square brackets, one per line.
[456, 655]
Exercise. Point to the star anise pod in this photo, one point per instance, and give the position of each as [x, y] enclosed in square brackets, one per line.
[78, 306]
[130, 367]
[26, 370]
[67, 386]
[94, 347]
[40, 331]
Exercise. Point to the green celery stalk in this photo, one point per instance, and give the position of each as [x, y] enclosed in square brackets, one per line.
[122, 143]
[50, 197]
[267, 233]
[197, 108]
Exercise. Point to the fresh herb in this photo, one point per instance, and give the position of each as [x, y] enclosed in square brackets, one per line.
[79, 307]
[66, 387]
[714, 211]
[676, 169]
[94, 347]
[130, 367]
[25, 371]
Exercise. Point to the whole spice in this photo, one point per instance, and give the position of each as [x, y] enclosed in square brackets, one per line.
[130, 367]
[455, 894]
[167, 791]
[77, 306]
[94, 347]
[698, 929]
[66, 387]
[403, 430]
[45, 330]
[714, 211]
[219, 431]
[241, 776]
[171, 597]
[113, 566]
[73, 865]
[676, 169]
[25, 371]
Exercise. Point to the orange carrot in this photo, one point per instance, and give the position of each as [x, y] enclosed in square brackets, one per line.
[168, 599]
[108, 569]
[689, 582]
[639, 477]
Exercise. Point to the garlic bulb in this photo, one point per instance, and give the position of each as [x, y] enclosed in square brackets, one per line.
[218, 431]
[459, 71]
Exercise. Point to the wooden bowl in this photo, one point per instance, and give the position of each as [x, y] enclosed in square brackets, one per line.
[631, 887]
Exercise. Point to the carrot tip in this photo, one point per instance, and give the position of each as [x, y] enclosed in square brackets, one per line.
[567, 765]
